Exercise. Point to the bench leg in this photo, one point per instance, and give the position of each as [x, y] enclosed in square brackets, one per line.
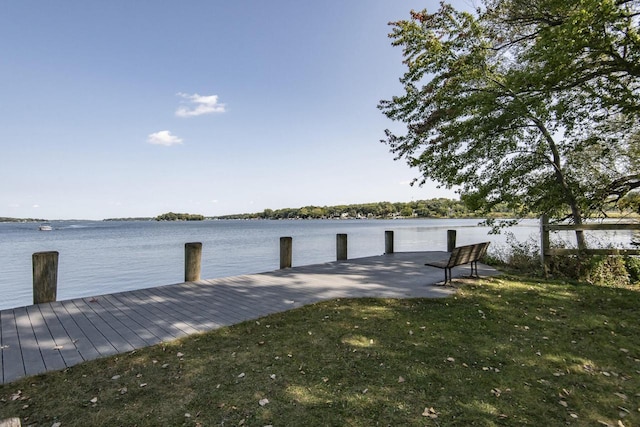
[447, 275]
[474, 269]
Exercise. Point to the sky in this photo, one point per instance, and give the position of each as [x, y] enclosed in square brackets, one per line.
[120, 108]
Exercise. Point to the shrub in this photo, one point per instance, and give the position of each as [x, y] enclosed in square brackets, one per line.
[632, 264]
[596, 269]
[517, 255]
[603, 270]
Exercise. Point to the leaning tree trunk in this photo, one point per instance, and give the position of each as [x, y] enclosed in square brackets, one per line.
[556, 162]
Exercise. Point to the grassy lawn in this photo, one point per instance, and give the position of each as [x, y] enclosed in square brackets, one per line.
[503, 351]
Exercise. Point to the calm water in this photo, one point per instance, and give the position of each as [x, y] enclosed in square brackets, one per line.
[99, 257]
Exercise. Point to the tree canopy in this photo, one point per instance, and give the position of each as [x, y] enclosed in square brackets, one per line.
[532, 103]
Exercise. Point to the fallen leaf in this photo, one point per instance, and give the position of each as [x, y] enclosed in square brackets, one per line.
[94, 400]
[179, 354]
[187, 415]
[241, 375]
[272, 376]
[263, 402]
[115, 377]
[143, 384]
[430, 413]
[400, 379]
[123, 390]
[451, 359]
[56, 424]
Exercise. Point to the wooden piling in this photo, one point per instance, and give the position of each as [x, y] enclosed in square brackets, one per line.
[45, 276]
[341, 247]
[192, 261]
[286, 252]
[545, 244]
[451, 240]
[388, 242]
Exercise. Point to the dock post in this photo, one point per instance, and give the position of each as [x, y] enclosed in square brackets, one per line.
[451, 240]
[45, 276]
[341, 247]
[192, 261]
[545, 244]
[388, 242]
[286, 252]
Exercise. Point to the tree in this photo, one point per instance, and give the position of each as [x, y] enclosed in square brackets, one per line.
[529, 103]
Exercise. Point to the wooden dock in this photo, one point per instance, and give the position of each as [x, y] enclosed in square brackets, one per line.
[53, 336]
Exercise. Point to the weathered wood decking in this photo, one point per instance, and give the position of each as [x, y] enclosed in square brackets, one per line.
[54, 336]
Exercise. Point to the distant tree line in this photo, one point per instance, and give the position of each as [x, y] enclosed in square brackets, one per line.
[7, 219]
[171, 216]
[433, 208]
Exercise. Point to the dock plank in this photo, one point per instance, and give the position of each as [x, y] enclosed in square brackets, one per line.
[179, 308]
[63, 341]
[166, 331]
[31, 355]
[220, 314]
[49, 351]
[144, 336]
[89, 331]
[80, 341]
[150, 331]
[12, 363]
[90, 307]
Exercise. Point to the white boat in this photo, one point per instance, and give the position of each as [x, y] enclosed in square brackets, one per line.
[45, 227]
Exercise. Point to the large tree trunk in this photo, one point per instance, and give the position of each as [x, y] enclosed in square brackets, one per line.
[556, 162]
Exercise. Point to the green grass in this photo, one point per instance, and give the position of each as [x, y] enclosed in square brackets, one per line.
[503, 351]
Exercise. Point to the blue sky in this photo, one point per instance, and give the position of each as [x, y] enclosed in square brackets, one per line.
[136, 108]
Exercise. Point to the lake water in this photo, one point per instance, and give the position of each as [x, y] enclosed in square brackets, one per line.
[98, 257]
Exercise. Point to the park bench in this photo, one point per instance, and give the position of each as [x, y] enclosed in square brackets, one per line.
[468, 254]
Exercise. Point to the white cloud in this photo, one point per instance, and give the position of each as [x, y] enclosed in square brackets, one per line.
[163, 137]
[199, 105]
[35, 206]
